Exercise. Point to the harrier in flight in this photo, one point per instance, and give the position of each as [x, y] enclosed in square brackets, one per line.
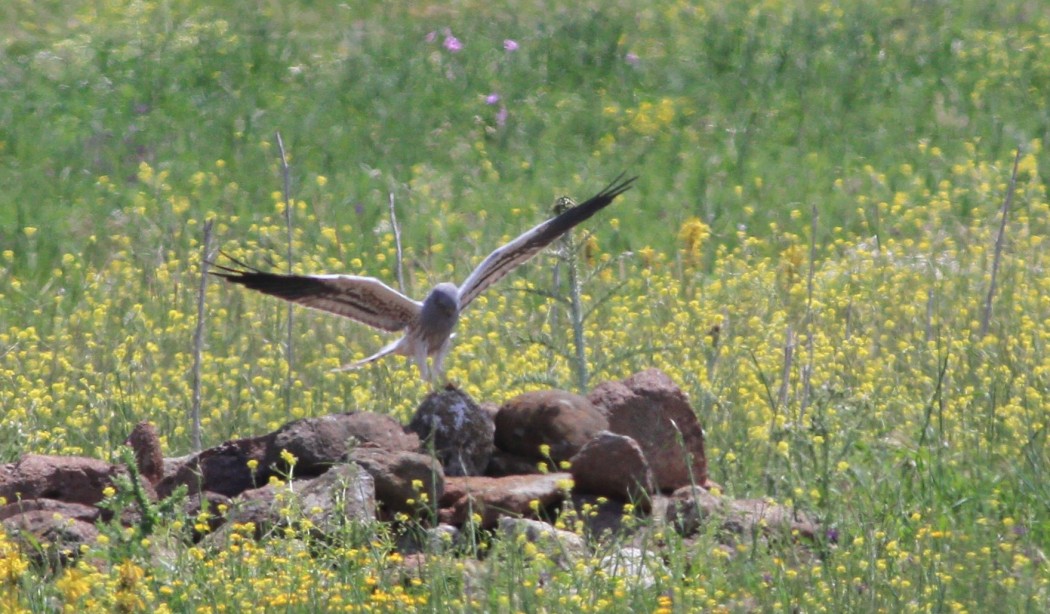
[427, 325]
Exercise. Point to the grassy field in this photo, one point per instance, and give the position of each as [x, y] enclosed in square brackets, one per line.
[809, 252]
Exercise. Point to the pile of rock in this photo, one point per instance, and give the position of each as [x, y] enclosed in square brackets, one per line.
[635, 442]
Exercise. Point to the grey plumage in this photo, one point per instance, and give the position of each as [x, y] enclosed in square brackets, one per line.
[427, 325]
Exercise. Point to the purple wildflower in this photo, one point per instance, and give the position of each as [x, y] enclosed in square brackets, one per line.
[452, 43]
[492, 98]
[510, 44]
[501, 116]
[631, 58]
[431, 36]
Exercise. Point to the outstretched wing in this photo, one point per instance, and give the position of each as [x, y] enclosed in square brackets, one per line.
[364, 299]
[502, 261]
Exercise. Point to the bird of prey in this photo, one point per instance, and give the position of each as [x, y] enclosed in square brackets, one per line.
[427, 325]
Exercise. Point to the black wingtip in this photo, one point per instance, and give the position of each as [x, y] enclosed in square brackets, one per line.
[288, 287]
[571, 217]
[230, 273]
[617, 186]
[599, 201]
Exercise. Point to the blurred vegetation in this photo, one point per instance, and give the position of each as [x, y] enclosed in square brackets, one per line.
[808, 252]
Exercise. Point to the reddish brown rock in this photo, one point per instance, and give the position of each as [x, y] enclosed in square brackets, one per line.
[223, 469]
[404, 481]
[149, 459]
[649, 408]
[614, 466]
[555, 418]
[73, 479]
[504, 463]
[492, 498]
[456, 430]
[77, 511]
[321, 442]
[50, 538]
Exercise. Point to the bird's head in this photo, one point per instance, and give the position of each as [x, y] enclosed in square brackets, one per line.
[443, 299]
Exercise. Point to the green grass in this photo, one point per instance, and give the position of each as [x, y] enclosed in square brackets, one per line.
[855, 385]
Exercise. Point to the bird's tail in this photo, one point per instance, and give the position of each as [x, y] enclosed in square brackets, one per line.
[390, 348]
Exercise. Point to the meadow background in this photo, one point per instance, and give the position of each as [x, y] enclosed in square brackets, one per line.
[808, 252]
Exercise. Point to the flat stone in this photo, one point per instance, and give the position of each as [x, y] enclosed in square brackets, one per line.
[77, 511]
[493, 498]
[321, 442]
[74, 479]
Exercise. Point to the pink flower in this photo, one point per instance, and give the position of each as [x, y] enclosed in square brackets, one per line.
[452, 43]
[501, 116]
[431, 36]
[631, 58]
[510, 44]
[492, 98]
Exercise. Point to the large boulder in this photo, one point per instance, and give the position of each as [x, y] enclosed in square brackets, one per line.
[649, 408]
[561, 420]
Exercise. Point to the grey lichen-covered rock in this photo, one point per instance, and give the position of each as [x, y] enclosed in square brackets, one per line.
[458, 432]
[690, 508]
[637, 566]
[561, 546]
[343, 495]
[437, 539]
